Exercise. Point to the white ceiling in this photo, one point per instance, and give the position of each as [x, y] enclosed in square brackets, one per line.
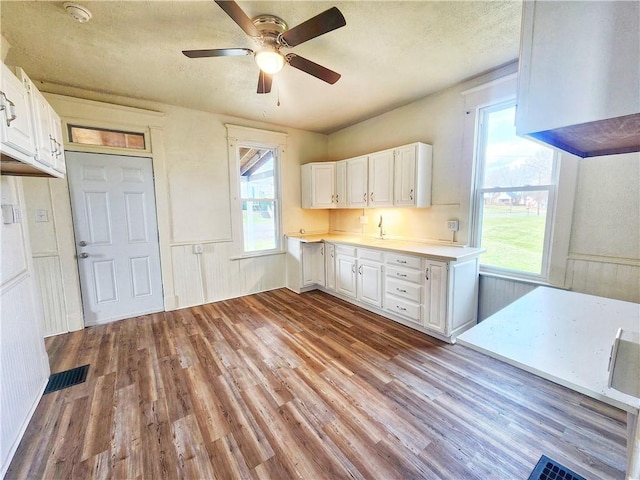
[389, 54]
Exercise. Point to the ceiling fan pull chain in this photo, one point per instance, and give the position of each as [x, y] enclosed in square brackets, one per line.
[278, 87]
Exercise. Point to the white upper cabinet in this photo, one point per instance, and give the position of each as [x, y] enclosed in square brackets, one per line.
[318, 185]
[16, 127]
[578, 76]
[380, 179]
[31, 132]
[412, 175]
[396, 177]
[357, 182]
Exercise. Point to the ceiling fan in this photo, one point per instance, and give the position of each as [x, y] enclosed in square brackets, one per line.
[271, 34]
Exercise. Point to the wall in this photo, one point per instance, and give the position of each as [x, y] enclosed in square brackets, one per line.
[24, 366]
[601, 252]
[192, 189]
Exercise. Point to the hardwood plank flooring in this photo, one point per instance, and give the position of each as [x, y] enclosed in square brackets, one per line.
[278, 385]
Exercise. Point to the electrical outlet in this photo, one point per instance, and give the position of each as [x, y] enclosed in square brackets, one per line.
[453, 225]
[197, 249]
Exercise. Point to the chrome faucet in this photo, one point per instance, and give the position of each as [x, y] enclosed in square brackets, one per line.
[381, 236]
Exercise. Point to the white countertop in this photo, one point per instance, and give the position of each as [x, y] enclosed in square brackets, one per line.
[438, 251]
[565, 337]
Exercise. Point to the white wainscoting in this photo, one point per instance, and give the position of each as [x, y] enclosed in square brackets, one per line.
[212, 275]
[605, 277]
[48, 274]
[496, 293]
[601, 276]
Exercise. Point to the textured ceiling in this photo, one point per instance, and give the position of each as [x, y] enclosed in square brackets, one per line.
[389, 54]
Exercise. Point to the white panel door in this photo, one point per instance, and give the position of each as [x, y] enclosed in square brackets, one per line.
[114, 217]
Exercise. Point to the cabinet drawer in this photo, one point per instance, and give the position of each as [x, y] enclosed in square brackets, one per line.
[366, 254]
[406, 261]
[404, 308]
[346, 250]
[406, 274]
[399, 288]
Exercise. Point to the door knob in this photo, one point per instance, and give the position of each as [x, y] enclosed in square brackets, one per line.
[83, 255]
[83, 243]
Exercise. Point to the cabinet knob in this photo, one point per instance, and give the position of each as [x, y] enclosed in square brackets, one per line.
[83, 255]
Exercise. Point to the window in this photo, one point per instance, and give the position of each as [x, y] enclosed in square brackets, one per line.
[514, 196]
[258, 174]
[106, 138]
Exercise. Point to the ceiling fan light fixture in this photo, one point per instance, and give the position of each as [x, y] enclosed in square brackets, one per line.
[269, 60]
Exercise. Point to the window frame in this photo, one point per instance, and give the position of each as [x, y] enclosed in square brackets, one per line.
[237, 137]
[479, 191]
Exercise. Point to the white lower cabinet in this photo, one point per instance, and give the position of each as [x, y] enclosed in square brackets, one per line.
[369, 285]
[403, 287]
[346, 271]
[434, 296]
[330, 266]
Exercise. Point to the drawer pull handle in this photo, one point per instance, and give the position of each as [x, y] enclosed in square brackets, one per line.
[360, 269]
[402, 309]
[402, 275]
[411, 194]
[365, 196]
[401, 261]
[401, 290]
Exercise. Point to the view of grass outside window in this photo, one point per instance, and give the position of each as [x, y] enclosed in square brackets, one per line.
[258, 191]
[514, 196]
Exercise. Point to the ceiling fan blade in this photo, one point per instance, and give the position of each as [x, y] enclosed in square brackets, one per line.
[313, 68]
[232, 9]
[314, 27]
[264, 82]
[218, 52]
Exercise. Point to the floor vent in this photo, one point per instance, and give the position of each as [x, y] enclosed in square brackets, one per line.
[68, 378]
[548, 469]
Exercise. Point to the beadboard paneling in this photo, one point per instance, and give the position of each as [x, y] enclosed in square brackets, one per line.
[24, 365]
[496, 293]
[605, 279]
[187, 276]
[48, 275]
[214, 275]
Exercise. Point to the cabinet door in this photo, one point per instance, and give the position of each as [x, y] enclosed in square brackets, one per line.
[357, 195]
[322, 185]
[370, 282]
[319, 267]
[42, 117]
[405, 176]
[330, 266]
[16, 128]
[346, 275]
[435, 301]
[381, 179]
[58, 141]
[341, 184]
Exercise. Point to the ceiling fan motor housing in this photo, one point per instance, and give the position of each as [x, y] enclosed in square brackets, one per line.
[270, 28]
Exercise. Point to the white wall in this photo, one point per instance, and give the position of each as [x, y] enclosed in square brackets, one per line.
[192, 182]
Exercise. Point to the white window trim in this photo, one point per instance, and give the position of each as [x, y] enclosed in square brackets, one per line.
[504, 90]
[237, 135]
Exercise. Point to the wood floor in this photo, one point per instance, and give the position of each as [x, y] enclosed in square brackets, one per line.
[279, 385]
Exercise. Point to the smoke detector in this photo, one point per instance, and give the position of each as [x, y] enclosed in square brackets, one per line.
[78, 12]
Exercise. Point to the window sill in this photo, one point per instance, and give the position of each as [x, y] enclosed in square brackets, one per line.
[257, 254]
[515, 278]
